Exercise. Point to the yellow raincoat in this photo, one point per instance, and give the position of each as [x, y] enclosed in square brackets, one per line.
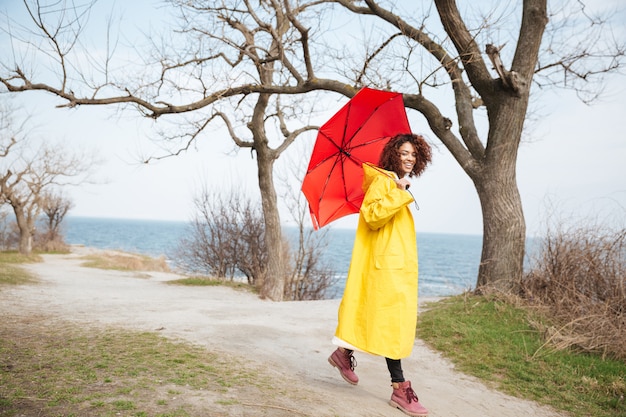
[378, 311]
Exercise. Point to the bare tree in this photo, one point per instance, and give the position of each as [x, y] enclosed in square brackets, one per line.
[12, 131]
[31, 172]
[8, 134]
[208, 248]
[226, 238]
[500, 87]
[264, 46]
[25, 181]
[253, 58]
[55, 207]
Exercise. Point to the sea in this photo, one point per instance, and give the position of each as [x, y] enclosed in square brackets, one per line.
[448, 263]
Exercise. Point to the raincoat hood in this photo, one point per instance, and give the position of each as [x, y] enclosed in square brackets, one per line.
[370, 172]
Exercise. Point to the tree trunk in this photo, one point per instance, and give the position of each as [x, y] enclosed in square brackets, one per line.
[504, 231]
[26, 243]
[273, 285]
[26, 228]
[504, 227]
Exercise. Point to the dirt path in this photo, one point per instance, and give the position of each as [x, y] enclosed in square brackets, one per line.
[292, 338]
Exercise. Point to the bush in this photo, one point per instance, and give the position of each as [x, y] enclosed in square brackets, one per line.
[310, 277]
[45, 243]
[578, 276]
[9, 236]
[227, 241]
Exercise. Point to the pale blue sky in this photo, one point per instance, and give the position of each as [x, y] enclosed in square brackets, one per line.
[573, 165]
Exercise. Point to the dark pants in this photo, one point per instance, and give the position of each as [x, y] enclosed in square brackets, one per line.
[395, 369]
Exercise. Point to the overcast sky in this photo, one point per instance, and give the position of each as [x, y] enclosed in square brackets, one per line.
[574, 164]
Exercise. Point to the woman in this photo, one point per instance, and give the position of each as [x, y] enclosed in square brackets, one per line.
[378, 311]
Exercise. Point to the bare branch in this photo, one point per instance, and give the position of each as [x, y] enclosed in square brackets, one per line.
[510, 79]
[579, 50]
[440, 124]
[369, 59]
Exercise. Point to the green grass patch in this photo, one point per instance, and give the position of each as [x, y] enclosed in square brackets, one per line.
[197, 281]
[14, 257]
[494, 341]
[10, 271]
[210, 282]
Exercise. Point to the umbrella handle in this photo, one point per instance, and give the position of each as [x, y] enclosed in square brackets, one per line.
[417, 207]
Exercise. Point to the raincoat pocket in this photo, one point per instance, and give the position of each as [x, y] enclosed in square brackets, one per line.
[389, 261]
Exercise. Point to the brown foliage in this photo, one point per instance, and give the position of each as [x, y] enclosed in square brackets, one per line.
[123, 261]
[310, 277]
[227, 240]
[44, 243]
[578, 277]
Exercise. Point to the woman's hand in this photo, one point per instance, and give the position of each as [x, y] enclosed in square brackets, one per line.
[403, 183]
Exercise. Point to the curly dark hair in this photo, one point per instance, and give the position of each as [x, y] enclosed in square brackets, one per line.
[390, 156]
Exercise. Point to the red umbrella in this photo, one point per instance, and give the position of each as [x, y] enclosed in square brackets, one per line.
[356, 134]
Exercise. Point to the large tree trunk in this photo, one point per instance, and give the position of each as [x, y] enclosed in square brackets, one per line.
[492, 168]
[26, 243]
[504, 227]
[504, 231]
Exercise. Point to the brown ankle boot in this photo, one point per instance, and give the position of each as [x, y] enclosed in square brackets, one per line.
[405, 399]
[343, 360]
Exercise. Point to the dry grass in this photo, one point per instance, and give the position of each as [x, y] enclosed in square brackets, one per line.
[14, 275]
[579, 280]
[122, 261]
[57, 245]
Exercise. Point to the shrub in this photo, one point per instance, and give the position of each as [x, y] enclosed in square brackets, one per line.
[9, 235]
[310, 277]
[227, 240]
[578, 276]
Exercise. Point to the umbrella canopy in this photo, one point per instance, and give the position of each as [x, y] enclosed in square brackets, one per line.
[356, 134]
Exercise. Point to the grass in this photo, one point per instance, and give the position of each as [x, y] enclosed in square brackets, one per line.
[60, 369]
[10, 271]
[212, 282]
[121, 261]
[493, 341]
[53, 368]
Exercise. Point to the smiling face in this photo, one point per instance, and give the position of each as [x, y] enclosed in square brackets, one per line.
[405, 153]
[408, 156]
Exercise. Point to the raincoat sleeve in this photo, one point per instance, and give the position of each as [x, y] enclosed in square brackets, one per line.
[383, 199]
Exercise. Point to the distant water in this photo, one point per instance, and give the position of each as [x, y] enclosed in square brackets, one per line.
[448, 263]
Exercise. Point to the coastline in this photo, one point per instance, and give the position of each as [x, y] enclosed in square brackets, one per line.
[448, 262]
